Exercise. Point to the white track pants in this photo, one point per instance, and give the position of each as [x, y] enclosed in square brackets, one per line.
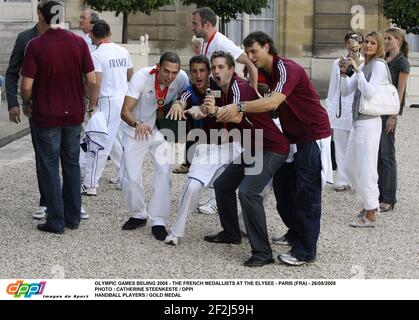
[341, 138]
[362, 158]
[132, 171]
[116, 152]
[95, 162]
[208, 164]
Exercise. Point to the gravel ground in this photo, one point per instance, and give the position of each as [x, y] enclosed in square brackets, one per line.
[99, 249]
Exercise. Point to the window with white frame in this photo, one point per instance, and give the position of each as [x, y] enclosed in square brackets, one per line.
[237, 30]
[413, 40]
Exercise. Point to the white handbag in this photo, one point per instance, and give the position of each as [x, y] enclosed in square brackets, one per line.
[384, 102]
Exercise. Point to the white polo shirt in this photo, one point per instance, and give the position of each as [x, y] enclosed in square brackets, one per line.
[221, 43]
[141, 87]
[112, 61]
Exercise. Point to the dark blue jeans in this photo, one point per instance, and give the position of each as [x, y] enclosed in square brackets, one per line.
[250, 187]
[64, 203]
[298, 191]
[42, 201]
[387, 166]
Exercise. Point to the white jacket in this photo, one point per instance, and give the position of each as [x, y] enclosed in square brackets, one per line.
[332, 101]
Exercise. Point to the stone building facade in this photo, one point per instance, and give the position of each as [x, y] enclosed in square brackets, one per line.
[309, 31]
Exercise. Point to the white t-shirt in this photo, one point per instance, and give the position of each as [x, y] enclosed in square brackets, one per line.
[112, 61]
[141, 87]
[221, 43]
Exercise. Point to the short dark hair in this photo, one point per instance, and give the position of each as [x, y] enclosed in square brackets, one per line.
[101, 29]
[94, 17]
[348, 35]
[207, 15]
[49, 11]
[169, 57]
[261, 38]
[200, 59]
[41, 4]
[231, 63]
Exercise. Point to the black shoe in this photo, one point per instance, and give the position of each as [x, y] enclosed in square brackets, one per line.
[159, 232]
[221, 238]
[134, 223]
[71, 226]
[45, 227]
[257, 262]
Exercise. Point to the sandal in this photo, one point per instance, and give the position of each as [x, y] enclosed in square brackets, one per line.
[181, 169]
[385, 207]
[365, 219]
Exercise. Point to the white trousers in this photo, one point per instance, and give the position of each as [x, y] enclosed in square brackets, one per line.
[208, 164]
[95, 162]
[362, 158]
[134, 152]
[116, 151]
[341, 138]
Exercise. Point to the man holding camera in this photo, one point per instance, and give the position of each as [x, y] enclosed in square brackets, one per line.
[339, 109]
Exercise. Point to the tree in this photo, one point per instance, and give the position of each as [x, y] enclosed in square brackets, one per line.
[403, 13]
[126, 7]
[228, 9]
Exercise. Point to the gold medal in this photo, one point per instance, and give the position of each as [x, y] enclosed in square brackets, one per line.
[160, 102]
[160, 113]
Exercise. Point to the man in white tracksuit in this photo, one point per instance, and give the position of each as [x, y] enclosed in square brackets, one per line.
[113, 68]
[150, 90]
[339, 109]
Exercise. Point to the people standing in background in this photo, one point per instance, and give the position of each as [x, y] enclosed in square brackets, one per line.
[204, 21]
[397, 50]
[86, 21]
[113, 68]
[339, 109]
[52, 89]
[364, 140]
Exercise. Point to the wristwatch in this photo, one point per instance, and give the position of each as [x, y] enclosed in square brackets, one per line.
[241, 106]
[136, 123]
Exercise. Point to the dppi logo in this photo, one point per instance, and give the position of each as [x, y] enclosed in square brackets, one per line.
[27, 290]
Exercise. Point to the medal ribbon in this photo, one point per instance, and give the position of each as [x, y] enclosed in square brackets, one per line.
[209, 42]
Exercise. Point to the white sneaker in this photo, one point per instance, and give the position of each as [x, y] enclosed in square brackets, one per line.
[209, 208]
[88, 191]
[202, 203]
[114, 181]
[171, 239]
[40, 213]
[84, 215]
[289, 259]
[281, 240]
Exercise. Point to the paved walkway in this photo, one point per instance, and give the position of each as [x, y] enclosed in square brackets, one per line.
[99, 249]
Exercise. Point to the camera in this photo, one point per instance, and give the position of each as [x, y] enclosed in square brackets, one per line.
[350, 70]
[356, 38]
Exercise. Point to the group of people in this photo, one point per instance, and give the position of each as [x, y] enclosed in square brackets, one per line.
[365, 145]
[226, 112]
